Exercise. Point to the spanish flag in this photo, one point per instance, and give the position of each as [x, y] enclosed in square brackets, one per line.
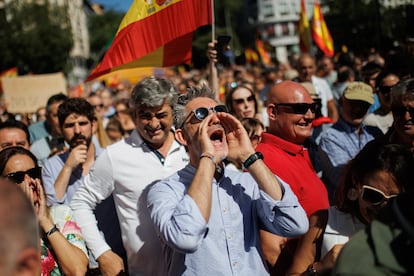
[155, 33]
[264, 55]
[305, 41]
[320, 33]
[11, 72]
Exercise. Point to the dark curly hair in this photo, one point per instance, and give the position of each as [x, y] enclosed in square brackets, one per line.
[78, 106]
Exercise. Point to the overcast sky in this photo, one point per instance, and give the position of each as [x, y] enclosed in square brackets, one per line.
[119, 5]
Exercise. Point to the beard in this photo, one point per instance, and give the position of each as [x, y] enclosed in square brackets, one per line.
[80, 139]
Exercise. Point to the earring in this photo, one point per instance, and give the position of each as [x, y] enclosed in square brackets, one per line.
[352, 194]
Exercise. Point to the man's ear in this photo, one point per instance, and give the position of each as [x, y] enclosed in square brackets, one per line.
[181, 136]
[271, 111]
[94, 124]
[29, 262]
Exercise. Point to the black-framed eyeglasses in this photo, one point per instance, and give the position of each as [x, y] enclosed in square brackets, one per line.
[374, 196]
[298, 108]
[242, 100]
[18, 177]
[202, 112]
[402, 110]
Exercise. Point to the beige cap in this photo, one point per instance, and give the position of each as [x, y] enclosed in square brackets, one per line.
[311, 89]
[359, 91]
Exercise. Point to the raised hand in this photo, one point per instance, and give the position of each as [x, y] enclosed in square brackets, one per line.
[77, 156]
[238, 141]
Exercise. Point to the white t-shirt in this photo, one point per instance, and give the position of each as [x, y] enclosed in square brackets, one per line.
[126, 169]
[324, 93]
[340, 227]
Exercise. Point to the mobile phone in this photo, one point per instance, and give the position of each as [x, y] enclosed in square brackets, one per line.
[221, 47]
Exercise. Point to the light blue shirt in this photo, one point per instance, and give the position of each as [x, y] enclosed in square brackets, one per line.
[38, 131]
[229, 243]
[50, 172]
[339, 144]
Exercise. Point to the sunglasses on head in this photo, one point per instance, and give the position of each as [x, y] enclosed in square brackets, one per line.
[202, 112]
[242, 100]
[18, 177]
[298, 108]
[373, 195]
[402, 110]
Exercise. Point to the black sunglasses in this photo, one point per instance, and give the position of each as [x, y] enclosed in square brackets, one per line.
[202, 112]
[97, 105]
[18, 177]
[298, 108]
[242, 100]
[402, 110]
[373, 195]
[384, 89]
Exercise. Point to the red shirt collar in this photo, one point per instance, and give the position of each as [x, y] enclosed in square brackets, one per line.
[283, 144]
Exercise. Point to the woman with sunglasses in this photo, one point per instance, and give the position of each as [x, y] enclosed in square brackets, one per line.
[375, 176]
[62, 246]
[242, 103]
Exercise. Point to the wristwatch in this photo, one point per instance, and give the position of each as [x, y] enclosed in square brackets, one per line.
[252, 158]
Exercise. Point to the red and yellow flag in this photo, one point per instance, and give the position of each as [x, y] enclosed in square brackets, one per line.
[155, 34]
[264, 55]
[9, 73]
[320, 33]
[12, 72]
[305, 41]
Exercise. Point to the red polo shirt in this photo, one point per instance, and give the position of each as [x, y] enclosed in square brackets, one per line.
[291, 163]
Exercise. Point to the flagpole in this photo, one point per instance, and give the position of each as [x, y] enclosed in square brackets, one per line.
[213, 31]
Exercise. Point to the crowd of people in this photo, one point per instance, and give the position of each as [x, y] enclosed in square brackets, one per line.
[296, 169]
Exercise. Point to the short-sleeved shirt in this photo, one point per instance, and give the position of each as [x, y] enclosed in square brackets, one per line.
[291, 163]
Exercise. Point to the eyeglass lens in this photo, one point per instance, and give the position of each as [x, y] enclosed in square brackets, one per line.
[402, 110]
[18, 177]
[299, 108]
[374, 196]
[242, 100]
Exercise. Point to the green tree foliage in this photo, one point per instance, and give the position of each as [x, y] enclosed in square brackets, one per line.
[364, 24]
[102, 29]
[36, 38]
[227, 19]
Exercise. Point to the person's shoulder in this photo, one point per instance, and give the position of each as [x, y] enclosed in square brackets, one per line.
[40, 143]
[333, 132]
[356, 256]
[37, 126]
[177, 180]
[56, 160]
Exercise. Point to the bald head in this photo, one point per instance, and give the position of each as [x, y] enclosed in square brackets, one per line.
[306, 67]
[19, 238]
[289, 92]
[291, 112]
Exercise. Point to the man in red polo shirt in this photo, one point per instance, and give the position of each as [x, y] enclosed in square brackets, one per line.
[291, 111]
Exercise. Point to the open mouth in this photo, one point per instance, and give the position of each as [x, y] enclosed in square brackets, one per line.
[217, 136]
[304, 124]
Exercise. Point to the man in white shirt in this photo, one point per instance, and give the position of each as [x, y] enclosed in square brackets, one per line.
[307, 69]
[125, 170]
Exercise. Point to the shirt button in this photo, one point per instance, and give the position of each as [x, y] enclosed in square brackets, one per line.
[229, 236]
[234, 264]
[225, 210]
